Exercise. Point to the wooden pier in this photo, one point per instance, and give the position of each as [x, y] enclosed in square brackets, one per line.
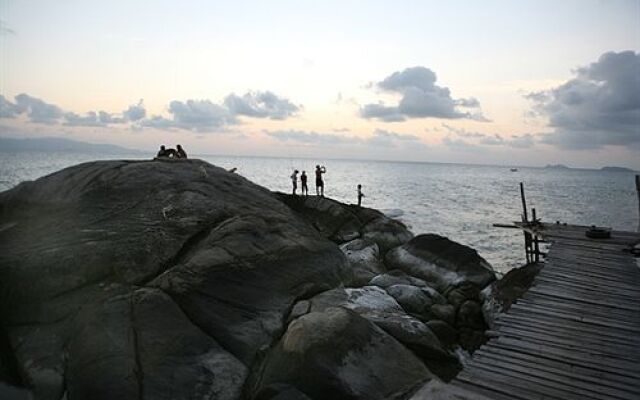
[575, 334]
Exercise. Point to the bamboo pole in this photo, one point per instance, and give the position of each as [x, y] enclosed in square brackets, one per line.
[638, 193]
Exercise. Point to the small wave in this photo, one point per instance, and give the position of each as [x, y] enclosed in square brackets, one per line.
[393, 212]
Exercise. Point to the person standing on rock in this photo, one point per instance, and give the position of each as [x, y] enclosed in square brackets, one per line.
[294, 181]
[303, 181]
[360, 195]
[319, 182]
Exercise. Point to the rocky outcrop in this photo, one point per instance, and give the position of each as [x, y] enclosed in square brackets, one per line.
[441, 261]
[177, 279]
[342, 223]
[119, 278]
[337, 354]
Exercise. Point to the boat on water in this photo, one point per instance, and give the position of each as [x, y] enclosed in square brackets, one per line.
[514, 169]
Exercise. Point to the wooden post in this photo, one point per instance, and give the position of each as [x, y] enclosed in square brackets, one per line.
[524, 203]
[638, 192]
[536, 249]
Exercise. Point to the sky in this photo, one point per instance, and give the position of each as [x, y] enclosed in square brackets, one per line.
[490, 82]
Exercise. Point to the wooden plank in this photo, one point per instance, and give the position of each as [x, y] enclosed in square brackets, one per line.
[585, 298]
[531, 383]
[578, 280]
[563, 376]
[633, 329]
[482, 391]
[604, 378]
[619, 367]
[573, 344]
[578, 330]
[591, 307]
[623, 349]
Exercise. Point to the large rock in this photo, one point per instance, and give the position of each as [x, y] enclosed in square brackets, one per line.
[342, 223]
[116, 275]
[336, 354]
[499, 296]
[441, 262]
[378, 307]
[364, 258]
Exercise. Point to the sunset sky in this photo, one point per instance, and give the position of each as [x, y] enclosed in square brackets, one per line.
[492, 82]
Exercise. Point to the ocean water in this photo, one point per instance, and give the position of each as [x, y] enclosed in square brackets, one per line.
[458, 201]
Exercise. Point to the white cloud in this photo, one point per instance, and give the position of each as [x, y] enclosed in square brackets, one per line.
[421, 98]
[260, 105]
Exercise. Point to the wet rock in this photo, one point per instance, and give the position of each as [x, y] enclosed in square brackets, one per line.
[364, 258]
[470, 316]
[440, 261]
[499, 296]
[412, 299]
[336, 354]
[445, 312]
[387, 233]
[462, 292]
[445, 332]
[396, 277]
[230, 257]
[378, 307]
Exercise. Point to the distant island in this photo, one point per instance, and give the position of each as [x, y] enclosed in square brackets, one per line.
[557, 166]
[617, 169]
[60, 144]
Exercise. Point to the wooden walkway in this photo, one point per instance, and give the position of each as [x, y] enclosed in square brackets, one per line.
[575, 334]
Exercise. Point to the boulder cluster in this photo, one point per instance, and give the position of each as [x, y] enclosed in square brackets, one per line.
[180, 280]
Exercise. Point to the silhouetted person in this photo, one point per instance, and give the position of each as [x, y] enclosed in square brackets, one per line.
[162, 152]
[360, 195]
[180, 153]
[303, 181]
[166, 153]
[294, 180]
[319, 182]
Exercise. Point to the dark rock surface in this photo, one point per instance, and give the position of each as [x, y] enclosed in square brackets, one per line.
[96, 258]
[177, 279]
[441, 261]
[336, 354]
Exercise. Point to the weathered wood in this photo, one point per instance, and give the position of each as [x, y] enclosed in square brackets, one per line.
[575, 334]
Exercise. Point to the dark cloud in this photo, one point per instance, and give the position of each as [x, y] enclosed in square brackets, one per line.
[200, 115]
[135, 112]
[108, 118]
[8, 109]
[384, 138]
[599, 107]
[5, 30]
[37, 110]
[260, 105]
[89, 119]
[517, 141]
[421, 98]
[310, 137]
[378, 138]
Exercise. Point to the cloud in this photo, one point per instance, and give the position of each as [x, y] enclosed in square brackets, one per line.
[516, 141]
[260, 105]
[135, 112]
[420, 98]
[8, 109]
[5, 30]
[89, 119]
[599, 107]
[37, 110]
[379, 138]
[311, 137]
[108, 118]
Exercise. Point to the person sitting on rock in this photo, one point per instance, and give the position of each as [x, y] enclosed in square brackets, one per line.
[180, 153]
[319, 181]
[294, 180]
[360, 195]
[303, 181]
[166, 153]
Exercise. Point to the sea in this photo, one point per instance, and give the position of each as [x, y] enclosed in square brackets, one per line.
[459, 201]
